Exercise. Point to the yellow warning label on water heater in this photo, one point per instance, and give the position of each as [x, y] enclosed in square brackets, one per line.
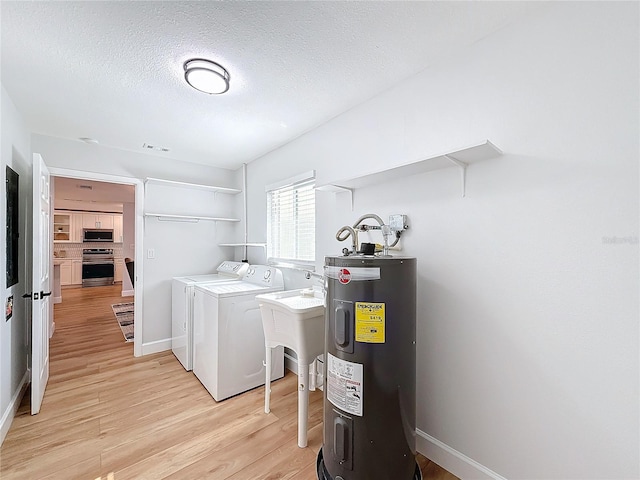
[369, 322]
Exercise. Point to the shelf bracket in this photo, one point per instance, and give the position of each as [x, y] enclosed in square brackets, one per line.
[463, 171]
[338, 189]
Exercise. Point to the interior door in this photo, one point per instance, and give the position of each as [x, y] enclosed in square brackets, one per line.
[41, 282]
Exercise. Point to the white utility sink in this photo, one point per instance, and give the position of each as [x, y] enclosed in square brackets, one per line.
[308, 302]
[295, 319]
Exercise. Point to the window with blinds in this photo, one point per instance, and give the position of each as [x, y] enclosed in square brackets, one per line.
[291, 222]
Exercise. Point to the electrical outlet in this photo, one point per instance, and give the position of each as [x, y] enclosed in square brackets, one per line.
[151, 253]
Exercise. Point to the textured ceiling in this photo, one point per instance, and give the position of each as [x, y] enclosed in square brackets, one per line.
[73, 190]
[112, 71]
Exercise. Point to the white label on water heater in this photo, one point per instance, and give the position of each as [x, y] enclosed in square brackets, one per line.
[344, 384]
[348, 274]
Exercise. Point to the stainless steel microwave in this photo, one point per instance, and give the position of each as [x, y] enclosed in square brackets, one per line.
[97, 235]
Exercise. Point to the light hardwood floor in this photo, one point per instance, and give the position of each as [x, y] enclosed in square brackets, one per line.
[109, 415]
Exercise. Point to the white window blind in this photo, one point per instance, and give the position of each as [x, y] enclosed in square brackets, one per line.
[291, 222]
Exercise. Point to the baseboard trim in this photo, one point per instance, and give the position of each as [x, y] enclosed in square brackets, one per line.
[127, 293]
[452, 460]
[438, 452]
[157, 346]
[291, 363]
[12, 408]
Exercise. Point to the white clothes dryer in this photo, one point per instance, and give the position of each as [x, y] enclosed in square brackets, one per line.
[182, 289]
[228, 341]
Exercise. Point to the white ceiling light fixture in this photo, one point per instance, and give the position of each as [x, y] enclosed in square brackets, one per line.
[206, 76]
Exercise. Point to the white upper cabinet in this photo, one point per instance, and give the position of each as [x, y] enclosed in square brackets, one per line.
[62, 227]
[68, 226]
[97, 220]
[117, 228]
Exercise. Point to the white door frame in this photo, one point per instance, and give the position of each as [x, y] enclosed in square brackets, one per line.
[139, 247]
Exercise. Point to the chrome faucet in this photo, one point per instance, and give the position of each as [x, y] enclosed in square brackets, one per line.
[308, 274]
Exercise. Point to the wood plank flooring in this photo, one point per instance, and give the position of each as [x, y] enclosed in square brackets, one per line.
[109, 415]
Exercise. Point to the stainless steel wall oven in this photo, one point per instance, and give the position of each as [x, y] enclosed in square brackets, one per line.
[98, 267]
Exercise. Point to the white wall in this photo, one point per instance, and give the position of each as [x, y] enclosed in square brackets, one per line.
[128, 243]
[528, 287]
[14, 333]
[180, 249]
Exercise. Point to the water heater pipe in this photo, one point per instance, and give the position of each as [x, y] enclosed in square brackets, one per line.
[350, 231]
[386, 232]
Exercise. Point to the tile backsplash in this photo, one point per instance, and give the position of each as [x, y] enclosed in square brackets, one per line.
[74, 250]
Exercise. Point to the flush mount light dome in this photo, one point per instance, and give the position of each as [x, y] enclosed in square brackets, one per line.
[206, 76]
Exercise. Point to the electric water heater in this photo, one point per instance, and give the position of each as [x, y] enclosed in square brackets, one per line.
[369, 369]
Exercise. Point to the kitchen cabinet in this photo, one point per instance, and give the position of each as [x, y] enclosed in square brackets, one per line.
[57, 289]
[119, 269]
[105, 221]
[97, 220]
[66, 272]
[67, 226]
[89, 220]
[76, 272]
[62, 227]
[76, 227]
[117, 228]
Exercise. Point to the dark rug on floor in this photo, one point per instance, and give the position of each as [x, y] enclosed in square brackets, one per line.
[124, 316]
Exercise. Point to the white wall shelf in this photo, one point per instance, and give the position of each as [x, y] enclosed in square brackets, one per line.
[262, 245]
[188, 218]
[243, 245]
[460, 158]
[173, 183]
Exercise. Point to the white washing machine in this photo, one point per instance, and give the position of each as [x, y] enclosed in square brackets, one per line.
[228, 341]
[182, 306]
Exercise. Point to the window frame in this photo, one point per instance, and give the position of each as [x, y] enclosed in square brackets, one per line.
[299, 181]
